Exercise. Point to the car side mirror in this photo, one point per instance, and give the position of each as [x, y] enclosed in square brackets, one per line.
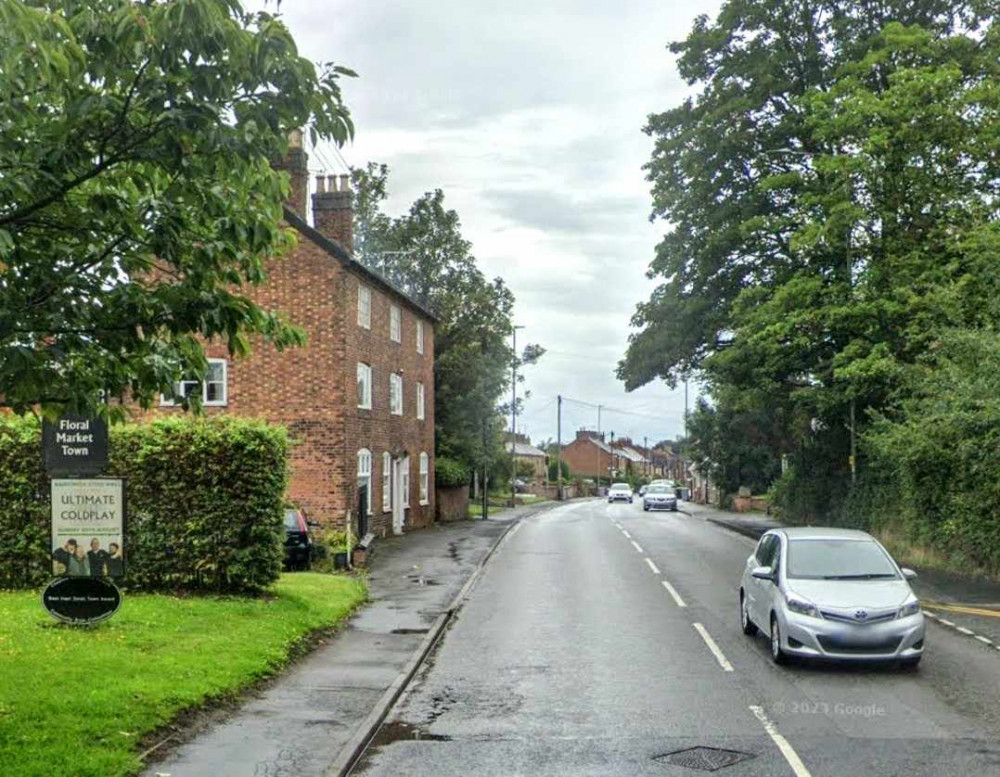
[909, 574]
[763, 573]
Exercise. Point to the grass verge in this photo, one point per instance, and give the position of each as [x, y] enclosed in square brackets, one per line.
[79, 700]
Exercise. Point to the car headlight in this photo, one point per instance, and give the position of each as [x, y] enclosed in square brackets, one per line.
[802, 607]
[908, 609]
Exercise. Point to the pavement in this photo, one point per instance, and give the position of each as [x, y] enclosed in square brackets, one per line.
[969, 605]
[301, 724]
[604, 641]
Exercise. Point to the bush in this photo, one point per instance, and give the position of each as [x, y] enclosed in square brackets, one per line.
[554, 473]
[204, 498]
[450, 473]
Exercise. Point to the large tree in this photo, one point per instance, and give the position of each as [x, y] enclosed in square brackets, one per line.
[137, 199]
[425, 252]
[831, 191]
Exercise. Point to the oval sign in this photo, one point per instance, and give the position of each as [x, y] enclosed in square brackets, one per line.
[81, 600]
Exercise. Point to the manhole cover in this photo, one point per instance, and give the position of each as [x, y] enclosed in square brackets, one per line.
[705, 759]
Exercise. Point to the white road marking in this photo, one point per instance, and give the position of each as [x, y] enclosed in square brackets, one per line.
[652, 566]
[946, 623]
[964, 630]
[719, 655]
[930, 615]
[637, 546]
[627, 535]
[984, 640]
[786, 749]
[673, 593]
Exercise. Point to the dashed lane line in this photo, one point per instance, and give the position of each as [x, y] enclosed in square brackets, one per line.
[716, 651]
[637, 546]
[672, 591]
[627, 535]
[783, 745]
[961, 629]
[652, 566]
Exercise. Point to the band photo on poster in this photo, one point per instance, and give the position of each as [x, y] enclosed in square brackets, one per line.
[88, 527]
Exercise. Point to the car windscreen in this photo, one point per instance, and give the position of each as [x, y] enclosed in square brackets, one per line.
[659, 490]
[620, 487]
[831, 559]
[292, 521]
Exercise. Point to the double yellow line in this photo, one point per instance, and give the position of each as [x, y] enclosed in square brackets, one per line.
[960, 608]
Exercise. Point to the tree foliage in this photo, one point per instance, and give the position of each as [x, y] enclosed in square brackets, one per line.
[425, 253]
[137, 200]
[831, 194]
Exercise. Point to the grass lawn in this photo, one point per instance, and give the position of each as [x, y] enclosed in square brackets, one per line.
[77, 701]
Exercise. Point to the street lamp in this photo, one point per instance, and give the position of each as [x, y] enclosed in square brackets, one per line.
[513, 417]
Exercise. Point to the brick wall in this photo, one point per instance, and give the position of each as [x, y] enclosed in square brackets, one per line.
[582, 457]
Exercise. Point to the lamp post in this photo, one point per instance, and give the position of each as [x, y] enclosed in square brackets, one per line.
[513, 417]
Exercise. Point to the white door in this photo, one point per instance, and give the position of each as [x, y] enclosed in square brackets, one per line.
[397, 496]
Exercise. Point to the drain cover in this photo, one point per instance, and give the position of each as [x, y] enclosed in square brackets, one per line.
[705, 759]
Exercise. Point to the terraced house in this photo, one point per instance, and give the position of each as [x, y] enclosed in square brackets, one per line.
[358, 398]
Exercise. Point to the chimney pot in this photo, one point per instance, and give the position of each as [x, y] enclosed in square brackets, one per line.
[320, 181]
[345, 183]
[331, 183]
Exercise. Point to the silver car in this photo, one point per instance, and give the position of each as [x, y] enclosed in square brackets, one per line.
[658, 497]
[831, 593]
[620, 492]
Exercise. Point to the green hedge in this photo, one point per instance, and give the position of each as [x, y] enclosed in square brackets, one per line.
[450, 473]
[204, 503]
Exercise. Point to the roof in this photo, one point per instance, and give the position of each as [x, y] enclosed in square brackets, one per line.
[631, 454]
[824, 533]
[523, 449]
[341, 254]
[599, 443]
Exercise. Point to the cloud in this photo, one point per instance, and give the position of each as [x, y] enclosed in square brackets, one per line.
[529, 116]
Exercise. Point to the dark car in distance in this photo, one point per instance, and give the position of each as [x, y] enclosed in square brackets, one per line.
[298, 541]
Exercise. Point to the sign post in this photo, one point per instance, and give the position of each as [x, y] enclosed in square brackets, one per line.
[75, 445]
[87, 535]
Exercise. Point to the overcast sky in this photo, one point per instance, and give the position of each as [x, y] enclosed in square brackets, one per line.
[528, 114]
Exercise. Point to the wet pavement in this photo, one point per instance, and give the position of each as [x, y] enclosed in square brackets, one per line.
[604, 641]
[297, 725]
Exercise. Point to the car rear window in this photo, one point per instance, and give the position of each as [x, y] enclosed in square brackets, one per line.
[823, 559]
[292, 520]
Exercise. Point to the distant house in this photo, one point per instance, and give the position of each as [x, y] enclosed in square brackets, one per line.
[526, 453]
[590, 456]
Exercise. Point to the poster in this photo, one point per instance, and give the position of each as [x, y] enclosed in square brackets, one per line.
[88, 527]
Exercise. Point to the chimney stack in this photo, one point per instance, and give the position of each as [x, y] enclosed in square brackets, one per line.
[295, 164]
[333, 211]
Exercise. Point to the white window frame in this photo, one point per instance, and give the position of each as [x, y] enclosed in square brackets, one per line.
[425, 465]
[395, 393]
[420, 337]
[395, 324]
[364, 306]
[386, 482]
[180, 388]
[365, 398]
[365, 473]
[420, 401]
[406, 481]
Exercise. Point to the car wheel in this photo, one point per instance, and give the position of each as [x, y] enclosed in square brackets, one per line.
[910, 664]
[777, 653]
[748, 626]
[645, 508]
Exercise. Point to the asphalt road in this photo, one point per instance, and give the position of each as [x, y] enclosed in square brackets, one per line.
[573, 656]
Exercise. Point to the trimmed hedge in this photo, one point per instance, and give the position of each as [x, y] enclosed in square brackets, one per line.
[450, 473]
[205, 501]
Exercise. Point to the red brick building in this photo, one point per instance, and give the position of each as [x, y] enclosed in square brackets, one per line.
[358, 398]
[590, 456]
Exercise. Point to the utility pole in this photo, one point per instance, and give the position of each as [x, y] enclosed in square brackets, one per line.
[513, 417]
[600, 439]
[611, 467]
[646, 453]
[685, 408]
[559, 486]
